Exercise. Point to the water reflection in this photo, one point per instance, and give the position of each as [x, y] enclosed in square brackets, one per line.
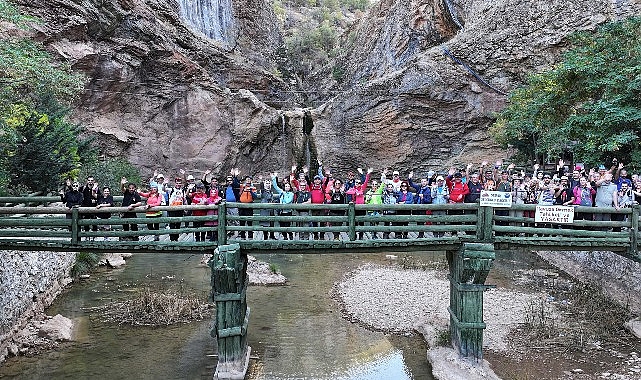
[296, 331]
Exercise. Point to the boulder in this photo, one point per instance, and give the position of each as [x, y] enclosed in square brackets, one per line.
[447, 364]
[634, 326]
[58, 328]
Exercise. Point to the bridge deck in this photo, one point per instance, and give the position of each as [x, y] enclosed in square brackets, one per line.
[347, 228]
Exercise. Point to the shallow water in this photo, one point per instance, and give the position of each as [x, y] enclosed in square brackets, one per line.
[296, 331]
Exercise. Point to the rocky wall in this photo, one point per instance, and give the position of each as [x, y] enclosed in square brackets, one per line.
[29, 282]
[616, 275]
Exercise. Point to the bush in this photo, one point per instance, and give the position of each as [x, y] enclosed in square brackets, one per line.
[85, 263]
[108, 172]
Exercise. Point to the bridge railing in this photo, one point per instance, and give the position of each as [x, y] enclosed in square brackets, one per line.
[311, 225]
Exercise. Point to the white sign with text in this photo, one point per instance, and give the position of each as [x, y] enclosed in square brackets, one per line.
[554, 214]
[496, 199]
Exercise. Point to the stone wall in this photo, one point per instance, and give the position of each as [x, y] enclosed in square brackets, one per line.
[29, 282]
[616, 275]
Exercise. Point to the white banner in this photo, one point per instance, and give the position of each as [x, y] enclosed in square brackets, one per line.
[496, 199]
[554, 214]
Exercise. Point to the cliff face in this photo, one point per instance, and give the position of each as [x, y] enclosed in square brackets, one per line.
[165, 96]
[407, 105]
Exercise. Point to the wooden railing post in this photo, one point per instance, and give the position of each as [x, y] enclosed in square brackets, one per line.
[222, 224]
[634, 231]
[351, 217]
[484, 223]
[75, 228]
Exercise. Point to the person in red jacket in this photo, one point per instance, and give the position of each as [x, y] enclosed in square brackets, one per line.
[458, 189]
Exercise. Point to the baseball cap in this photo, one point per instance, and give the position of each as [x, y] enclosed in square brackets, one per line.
[395, 172]
[440, 178]
[190, 177]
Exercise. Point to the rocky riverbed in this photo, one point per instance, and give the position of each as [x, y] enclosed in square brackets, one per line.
[408, 301]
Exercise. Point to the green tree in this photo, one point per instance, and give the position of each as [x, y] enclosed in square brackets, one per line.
[108, 172]
[38, 145]
[589, 104]
[38, 151]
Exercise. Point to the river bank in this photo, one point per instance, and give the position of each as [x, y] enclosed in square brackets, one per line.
[408, 301]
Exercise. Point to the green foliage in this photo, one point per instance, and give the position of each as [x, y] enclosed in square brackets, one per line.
[39, 146]
[37, 150]
[273, 268]
[85, 263]
[588, 104]
[9, 13]
[311, 40]
[30, 76]
[109, 172]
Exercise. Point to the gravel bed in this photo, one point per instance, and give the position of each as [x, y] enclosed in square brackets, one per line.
[402, 301]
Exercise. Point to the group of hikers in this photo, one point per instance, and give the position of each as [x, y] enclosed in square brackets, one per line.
[568, 186]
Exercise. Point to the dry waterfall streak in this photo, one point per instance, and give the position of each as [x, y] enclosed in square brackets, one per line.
[478, 77]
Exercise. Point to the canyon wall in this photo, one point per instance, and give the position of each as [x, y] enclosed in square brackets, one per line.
[166, 96]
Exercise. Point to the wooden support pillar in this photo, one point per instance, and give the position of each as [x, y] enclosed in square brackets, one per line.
[229, 287]
[469, 268]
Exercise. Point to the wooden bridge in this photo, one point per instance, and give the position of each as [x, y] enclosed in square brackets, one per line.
[468, 233]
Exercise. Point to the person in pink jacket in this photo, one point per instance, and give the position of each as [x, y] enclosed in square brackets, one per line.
[358, 195]
[154, 198]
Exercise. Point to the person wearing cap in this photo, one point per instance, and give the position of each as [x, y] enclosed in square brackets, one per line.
[159, 182]
[606, 196]
[458, 190]
[546, 191]
[395, 181]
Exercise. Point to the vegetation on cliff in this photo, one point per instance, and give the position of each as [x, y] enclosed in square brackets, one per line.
[588, 105]
[312, 29]
[40, 147]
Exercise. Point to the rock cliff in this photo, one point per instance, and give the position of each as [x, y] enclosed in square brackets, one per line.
[167, 97]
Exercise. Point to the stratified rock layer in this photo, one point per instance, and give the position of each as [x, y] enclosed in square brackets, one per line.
[167, 98]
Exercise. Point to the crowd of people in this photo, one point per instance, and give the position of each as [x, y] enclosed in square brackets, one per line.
[568, 186]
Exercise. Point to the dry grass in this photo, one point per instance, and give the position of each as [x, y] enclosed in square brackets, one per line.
[157, 308]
